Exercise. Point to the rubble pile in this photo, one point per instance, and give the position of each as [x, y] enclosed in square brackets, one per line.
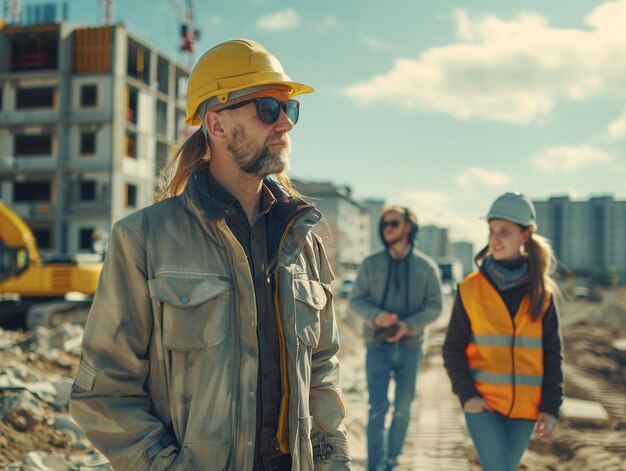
[36, 430]
[37, 367]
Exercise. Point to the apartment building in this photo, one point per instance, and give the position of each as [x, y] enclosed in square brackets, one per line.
[464, 252]
[433, 241]
[587, 236]
[375, 209]
[345, 227]
[88, 115]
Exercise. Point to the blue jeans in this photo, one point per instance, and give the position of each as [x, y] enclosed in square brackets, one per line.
[382, 363]
[499, 441]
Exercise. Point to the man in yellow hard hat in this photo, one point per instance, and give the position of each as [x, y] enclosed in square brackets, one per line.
[212, 339]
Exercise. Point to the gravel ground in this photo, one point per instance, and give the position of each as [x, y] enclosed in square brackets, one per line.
[589, 329]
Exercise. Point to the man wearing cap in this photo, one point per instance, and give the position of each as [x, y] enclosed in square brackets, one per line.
[212, 341]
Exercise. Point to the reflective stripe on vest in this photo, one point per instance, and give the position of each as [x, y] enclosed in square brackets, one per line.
[505, 354]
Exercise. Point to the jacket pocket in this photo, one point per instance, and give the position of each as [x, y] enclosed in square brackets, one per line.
[310, 299]
[207, 456]
[196, 311]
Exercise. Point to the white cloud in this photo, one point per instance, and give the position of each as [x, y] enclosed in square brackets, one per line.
[435, 208]
[568, 158]
[617, 129]
[325, 24]
[215, 20]
[509, 70]
[279, 21]
[477, 176]
[464, 28]
[376, 44]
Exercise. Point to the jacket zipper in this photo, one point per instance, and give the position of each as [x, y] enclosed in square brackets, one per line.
[282, 432]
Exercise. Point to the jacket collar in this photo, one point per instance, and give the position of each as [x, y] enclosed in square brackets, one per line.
[218, 203]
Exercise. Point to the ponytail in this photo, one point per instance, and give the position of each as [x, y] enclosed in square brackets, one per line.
[191, 156]
[481, 256]
[541, 267]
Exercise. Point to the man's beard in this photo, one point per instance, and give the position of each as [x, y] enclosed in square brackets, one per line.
[396, 239]
[272, 158]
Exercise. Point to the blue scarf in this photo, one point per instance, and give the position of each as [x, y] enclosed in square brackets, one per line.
[506, 274]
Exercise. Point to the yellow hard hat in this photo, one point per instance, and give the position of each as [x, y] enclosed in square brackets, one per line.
[231, 66]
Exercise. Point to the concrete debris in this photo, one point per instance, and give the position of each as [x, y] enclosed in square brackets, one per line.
[64, 338]
[55, 390]
[620, 344]
[32, 396]
[41, 461]
[21, 409]
[584, 412]
[66, 423]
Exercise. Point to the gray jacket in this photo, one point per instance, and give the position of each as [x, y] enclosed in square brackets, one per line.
[168, 375]
[424, 300]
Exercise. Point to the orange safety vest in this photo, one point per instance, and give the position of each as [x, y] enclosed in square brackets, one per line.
[505, 354]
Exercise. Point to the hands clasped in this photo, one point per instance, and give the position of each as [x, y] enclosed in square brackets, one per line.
[391, 326]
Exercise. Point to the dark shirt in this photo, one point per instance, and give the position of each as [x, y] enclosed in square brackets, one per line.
[257, 242]
[459, 333]
[396, 295]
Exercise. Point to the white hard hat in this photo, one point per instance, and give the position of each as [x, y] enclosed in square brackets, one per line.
[514, 207]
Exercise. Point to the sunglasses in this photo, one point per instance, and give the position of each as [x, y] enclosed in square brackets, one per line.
[395, 223]
[268, 109]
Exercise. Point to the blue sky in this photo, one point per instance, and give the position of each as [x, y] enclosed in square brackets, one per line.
[442, 105]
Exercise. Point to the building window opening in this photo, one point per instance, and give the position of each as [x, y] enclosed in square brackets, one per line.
[43, 236]
[163, 75]
[87, 190]
[41, 97]
[132, 99]
[35, 144]
[85, 238]
[88, 95]
[34, 50]
[131, 195]
[138, 65]
[161, 117]
[87, 143]
[131, 144]
[26, 192]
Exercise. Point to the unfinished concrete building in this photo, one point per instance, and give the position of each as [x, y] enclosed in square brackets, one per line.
[88, 116]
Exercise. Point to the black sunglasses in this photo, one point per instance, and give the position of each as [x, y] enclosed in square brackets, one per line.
[268, 109]
[394, 223]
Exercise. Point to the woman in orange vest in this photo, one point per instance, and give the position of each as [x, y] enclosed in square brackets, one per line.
[503, 348]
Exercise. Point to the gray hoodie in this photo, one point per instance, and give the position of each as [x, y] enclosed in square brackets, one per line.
[410, 287]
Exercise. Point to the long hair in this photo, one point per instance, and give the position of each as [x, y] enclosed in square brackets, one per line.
[192, 156]
[541, 267]
[189, 158]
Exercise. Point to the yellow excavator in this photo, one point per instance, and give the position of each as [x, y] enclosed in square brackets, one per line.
[34, 290]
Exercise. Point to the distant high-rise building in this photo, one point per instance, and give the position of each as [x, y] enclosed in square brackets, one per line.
[464, 251]
[433, 241]
[375, 208]
[345, 227]
[588, 237]
[87, 118]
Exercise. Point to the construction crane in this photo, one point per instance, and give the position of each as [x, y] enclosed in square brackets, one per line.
[12, 10]
[106, 11]
[189, 33]
[186, 16]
